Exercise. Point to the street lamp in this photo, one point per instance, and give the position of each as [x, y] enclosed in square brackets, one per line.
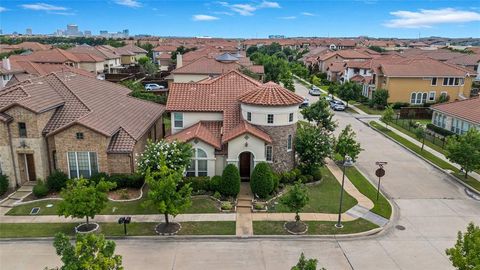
[347, 162]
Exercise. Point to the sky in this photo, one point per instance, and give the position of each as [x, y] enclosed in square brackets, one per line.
[248, 18]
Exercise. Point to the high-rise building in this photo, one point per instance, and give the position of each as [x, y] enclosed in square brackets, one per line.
[72, 30]
[103, 33]
[87, 33]
[28, 32]
[125, 33]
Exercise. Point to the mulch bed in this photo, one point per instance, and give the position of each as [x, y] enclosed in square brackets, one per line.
[7, 193]
[293, 227]
[85, 228]
[124, 194]
[172, 228]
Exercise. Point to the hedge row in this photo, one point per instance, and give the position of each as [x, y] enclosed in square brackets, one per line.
[439, 130]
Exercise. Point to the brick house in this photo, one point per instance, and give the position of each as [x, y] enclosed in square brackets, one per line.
[233, 119]
[73, 123]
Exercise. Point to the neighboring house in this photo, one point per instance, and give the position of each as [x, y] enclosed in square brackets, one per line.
[336, 71]
[206, 67]
[422, 80]
[233, 119]
[126, 57]
[325, 60]
[139, 52]
[162, 55]
[53, 56]
[26, 45]
[111, 60]
[458, 116]
[359, 69]
[72, 123]
[7, 72]
[90, 62]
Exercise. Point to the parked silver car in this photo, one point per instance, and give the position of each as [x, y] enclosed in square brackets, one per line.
[337, 105]
[153, 86]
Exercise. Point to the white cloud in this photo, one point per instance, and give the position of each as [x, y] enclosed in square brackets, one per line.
[267, 4]
[129, 3]
[43, 6]
[248, 9]
[223, 13]
[201, 17]
[2, 9]
[288, 18]
[63, 13]
[429, 17]
[307, 14]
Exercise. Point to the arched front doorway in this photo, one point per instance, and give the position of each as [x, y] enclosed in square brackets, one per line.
[245, 165]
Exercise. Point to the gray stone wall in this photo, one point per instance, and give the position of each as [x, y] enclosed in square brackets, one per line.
[283, 160]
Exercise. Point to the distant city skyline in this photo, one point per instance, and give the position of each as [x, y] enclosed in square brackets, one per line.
[247, 19]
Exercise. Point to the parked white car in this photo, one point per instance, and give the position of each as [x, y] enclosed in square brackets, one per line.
[153, 86]
[337, 105]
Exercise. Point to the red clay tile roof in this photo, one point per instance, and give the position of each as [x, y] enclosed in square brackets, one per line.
[206, 131]
[165, 48]
[210, 66]
[468, 109]
[422, 68]
[337, 67]
[54, 55]
[134, 49]
[244, 127]
[88, 57]
[77, 101]
[93, 50]
[271, 94]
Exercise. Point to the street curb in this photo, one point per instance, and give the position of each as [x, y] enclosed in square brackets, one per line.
[452, 177]
[219, 237]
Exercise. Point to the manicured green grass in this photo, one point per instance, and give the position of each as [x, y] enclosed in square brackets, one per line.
[369, 110]
[381, 207]
[427, 155]
[199, 205]
[314, 227]
[324, 197]
[17, 230]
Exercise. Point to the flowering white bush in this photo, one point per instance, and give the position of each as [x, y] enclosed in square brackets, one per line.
[176, 155]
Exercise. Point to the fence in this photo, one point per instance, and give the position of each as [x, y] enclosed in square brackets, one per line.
[415, 113]
[411, 124]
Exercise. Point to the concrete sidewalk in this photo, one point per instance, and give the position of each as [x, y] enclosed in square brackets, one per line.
[426, 147]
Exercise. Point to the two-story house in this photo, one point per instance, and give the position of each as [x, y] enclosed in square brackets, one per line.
[162, 54]
[72, 123]
[233, 119]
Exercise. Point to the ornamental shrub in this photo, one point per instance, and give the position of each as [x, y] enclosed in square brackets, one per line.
[96, 177]
[276, 181]
[317, 174]
[126, 180]
[40, 190]
[56, 181]
[261, 181]
[3, 184]
[215, 182]
[230, 184]
[197, 183]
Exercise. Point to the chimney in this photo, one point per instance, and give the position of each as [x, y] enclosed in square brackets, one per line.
[6, 64]
[179, 60]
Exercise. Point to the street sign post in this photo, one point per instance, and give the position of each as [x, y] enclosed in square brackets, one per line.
[380, 172]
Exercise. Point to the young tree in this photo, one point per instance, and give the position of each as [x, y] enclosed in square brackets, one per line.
[420, 134]
[83, 198]
[466, 253]
[388, 115]
[304, 264]
[147, 66]
[349, 91]
[320, 113]
[176, 155]
[296, 199]
[465, 150]
[164, 192]
[332, 89]
[90, 252]
[347, 145]
[312, 145]
[379, 98]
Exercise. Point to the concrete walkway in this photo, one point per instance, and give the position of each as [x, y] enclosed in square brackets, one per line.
[427, 148]
[244, 225]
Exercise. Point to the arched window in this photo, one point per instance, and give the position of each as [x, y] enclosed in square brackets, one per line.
[419, 98]
[412, 98]
[424, 98]
[198, 163]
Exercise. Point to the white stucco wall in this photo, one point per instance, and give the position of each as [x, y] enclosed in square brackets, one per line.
[220, 163]
[210, 150]
[238, 145]
[259, 114]
[191, 118]
[185, 78]
[350, 73]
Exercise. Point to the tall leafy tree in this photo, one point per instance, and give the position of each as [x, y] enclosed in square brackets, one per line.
[380, 98]
[347, 144]
[320, 113]
[349, 91]
[465, 150]
[90, 252]
[165, 193]
[465, 255]
[388, 115]
[83, 198]
[312, 145]
[147, 66]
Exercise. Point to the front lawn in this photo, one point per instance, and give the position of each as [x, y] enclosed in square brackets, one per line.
[314, 227]
[199, 205]
[369, 110]
[427, 155]
[381, 207]
[324, 197]
[17, 230]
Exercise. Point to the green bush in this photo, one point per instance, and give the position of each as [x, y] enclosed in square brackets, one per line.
[398, 105]
[56, 181]
[226, 206]
[230, 184]
[217, 195]
[439, 130]
[96, 177]
[215, 183]
[261, 181]
[198, 183]
[127, 180]
[290, 177]
[276, 181]
[40, 190]
[305, 178]
[3, 184]
[317, 174]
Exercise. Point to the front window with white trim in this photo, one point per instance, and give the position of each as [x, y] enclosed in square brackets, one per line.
[198, 163]
[431, 96]
[289, 143]
[178, 120]
[269, 153]
[82, 164]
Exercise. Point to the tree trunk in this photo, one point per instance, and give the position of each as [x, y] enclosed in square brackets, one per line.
[87, 220]
[166, 219]
[466, 174]
[423, 143]
[297, 217]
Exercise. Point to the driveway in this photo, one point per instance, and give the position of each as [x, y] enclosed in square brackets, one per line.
[429, 206]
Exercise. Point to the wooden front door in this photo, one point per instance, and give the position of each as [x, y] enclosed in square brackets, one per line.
[30, 166]
[245, 161]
